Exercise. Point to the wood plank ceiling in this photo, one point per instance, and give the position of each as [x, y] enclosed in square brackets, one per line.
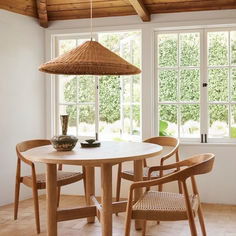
[51, 10]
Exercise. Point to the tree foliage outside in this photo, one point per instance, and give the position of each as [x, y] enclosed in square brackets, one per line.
[81, 89]
[186, 69]
[178, 81]
[109, 97]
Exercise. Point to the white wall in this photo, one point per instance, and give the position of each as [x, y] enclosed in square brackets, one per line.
[219, 185]
[22, 94]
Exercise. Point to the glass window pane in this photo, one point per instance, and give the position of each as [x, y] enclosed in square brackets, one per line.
[109, 107]
[167, 85]
[126, 88]
[86, 91]
[81, 41]
[233, 47]
[233, 84]
[126, 50]
[190, 121]
[189, 85]
[136, 88]
[66, 45]
[67, 88]
[86, 124]
[190, 49]
[217, 48]
[136, 120]
[136, 51]
[110, 41]
[218, 84]
[71, 111]
[109, 131]
[168, 120]
[233, 122]
[127, 45]
[218, 121]
[167, 50]
[127, 121]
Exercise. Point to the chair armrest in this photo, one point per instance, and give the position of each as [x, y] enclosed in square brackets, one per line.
[148, 183]
[170, 154]
[159, 168]
[175, 165]
[26, 161]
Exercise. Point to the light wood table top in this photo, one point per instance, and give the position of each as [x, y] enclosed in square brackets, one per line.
[109, 152]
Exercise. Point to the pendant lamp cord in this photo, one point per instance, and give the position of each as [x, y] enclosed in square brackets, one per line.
[91, 19]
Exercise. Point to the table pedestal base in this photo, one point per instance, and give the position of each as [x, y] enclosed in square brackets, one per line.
[103, 212]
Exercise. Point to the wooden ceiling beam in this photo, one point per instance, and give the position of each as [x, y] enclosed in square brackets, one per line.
[140, 9]
[42, 13]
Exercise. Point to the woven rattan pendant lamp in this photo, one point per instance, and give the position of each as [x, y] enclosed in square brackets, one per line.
[90, 58]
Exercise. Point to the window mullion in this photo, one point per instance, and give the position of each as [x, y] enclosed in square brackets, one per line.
[55, 122]
[203, 79]
[122, 104]
[96, 105]
[229, 82]
[121, 95]
[178, 89]
[131, 88]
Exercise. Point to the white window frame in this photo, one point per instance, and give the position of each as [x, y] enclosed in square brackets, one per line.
[57, 100]
[55, 86]
[229, 67]
[178, 67]
[204, 118]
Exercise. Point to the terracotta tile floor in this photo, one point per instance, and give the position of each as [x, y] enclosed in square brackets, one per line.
[220, 220]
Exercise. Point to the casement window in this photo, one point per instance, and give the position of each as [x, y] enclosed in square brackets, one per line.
[196, 84]
[103, 106]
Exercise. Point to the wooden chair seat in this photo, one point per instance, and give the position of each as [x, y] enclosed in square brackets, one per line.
[38, 181]
[129, 174]
[168, 142]
[169, 206]
[63, 178]
[163, 206]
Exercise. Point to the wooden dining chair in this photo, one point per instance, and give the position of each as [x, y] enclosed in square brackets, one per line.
[38, 181]
[166, 206]
[163, 141]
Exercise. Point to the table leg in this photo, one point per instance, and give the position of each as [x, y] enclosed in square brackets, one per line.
[51, 199]
[106, 201]
[138, 175]
[90, 188]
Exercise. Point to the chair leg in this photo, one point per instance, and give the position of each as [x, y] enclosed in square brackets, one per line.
[16, 201]
[127, 223]
[36, 208]
[58, 195]
[180, 187]
[201, 220]
[189, 211]
[144, 228]
[84, 179]
[199, 212]
[118, 184]
[160, 187]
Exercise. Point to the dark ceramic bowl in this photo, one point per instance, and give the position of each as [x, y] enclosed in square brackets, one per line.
[64, 142]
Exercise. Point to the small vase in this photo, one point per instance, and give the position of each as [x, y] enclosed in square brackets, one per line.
[64, 142]
[64, 123]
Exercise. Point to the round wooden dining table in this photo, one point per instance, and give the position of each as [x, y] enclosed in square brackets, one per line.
[108, 154]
